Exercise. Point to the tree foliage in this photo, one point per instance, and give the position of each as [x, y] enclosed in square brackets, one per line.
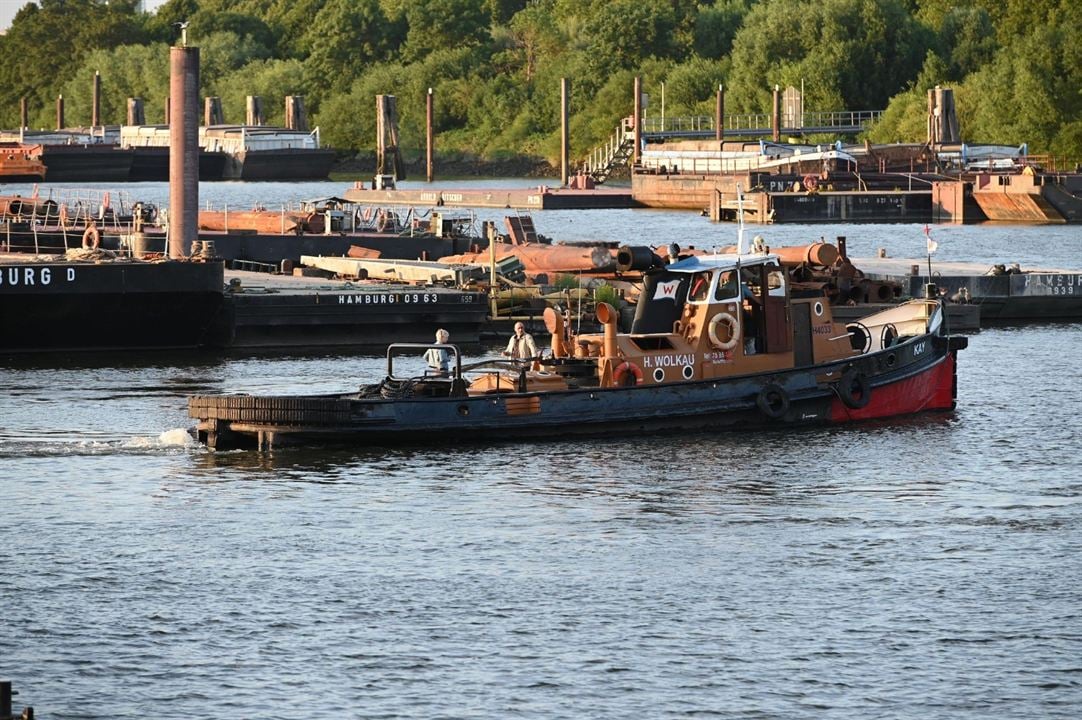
[495, 65]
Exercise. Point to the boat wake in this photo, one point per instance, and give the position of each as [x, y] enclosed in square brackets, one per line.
[55, 445]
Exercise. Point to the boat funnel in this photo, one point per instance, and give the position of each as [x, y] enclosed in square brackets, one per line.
[606, 315]
[636, 258]
[554, 323]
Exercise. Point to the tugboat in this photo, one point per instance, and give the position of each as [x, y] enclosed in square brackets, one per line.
[718, 341]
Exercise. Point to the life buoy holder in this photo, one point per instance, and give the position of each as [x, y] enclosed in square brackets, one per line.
[91, 238]
[624, 373]
[854, 389]
[732, 329]
[773, 401]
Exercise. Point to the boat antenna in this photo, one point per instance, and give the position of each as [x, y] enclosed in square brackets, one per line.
[578, 311]
[740, 247]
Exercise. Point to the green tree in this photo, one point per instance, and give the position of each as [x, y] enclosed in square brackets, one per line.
[969, 40]
[271, 80]
[136, 71]
[716, 27]
[625, 32]
[905, 119]
[1030, 92]
[223, 53]
[345, 37]
[252, 30]
[848, 54]
[536, 36]
[45, 45]
[691, 87]
[442, 24]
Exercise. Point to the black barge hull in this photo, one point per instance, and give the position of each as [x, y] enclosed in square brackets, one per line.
[122, 305]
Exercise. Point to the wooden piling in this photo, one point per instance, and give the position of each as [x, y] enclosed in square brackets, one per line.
[254, 111]
[136, 114]
[429, 139]
[775, 117]
[565, 143]
[212, 111]
[637, 151]
[719, 115]
[95, 109]
[59, 112]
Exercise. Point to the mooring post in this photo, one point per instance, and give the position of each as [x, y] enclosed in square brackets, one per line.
[24, 114]
[635, 155]
[775, 118]
[429, 139]
[565, 140]
[183, 150]
[59, 112]
[136, 115]
[95, 110]
[719, 116]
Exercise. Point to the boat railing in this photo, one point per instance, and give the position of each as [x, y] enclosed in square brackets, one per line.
[395, 349]
[69, 212]
[353, 217]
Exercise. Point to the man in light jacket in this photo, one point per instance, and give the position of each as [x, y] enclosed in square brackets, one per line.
[521, 345]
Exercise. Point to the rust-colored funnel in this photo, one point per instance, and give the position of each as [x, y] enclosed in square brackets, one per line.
[554, 323]
[606, 315]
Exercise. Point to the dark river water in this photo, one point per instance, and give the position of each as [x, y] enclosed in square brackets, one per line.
[927, 567]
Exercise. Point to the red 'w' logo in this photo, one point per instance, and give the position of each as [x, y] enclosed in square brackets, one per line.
[666, 290]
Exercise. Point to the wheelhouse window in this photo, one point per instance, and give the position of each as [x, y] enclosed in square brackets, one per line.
[700, 287]
[728, 288]
[775, 281]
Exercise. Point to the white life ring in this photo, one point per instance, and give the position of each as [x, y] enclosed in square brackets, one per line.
[733, 331]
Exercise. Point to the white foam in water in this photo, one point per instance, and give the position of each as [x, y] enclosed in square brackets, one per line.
[176, 436]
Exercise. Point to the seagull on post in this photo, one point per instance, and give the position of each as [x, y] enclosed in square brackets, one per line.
[183, 26]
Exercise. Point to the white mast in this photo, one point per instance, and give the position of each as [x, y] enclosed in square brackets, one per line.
[740, 247]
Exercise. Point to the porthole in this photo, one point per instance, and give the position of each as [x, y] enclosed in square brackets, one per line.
[689, 372]
[659, 375]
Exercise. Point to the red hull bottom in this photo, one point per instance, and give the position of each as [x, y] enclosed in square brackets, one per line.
[933, 389]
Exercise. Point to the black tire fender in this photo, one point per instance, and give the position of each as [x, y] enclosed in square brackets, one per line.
[854, 389]
[773, 401]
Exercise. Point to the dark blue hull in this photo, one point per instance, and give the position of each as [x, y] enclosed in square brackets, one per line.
[914, 376]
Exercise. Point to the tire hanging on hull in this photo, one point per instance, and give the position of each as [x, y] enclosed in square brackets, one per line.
[854, 389]
[773, 401]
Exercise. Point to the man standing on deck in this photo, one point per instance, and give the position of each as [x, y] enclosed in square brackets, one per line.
[521, 345]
